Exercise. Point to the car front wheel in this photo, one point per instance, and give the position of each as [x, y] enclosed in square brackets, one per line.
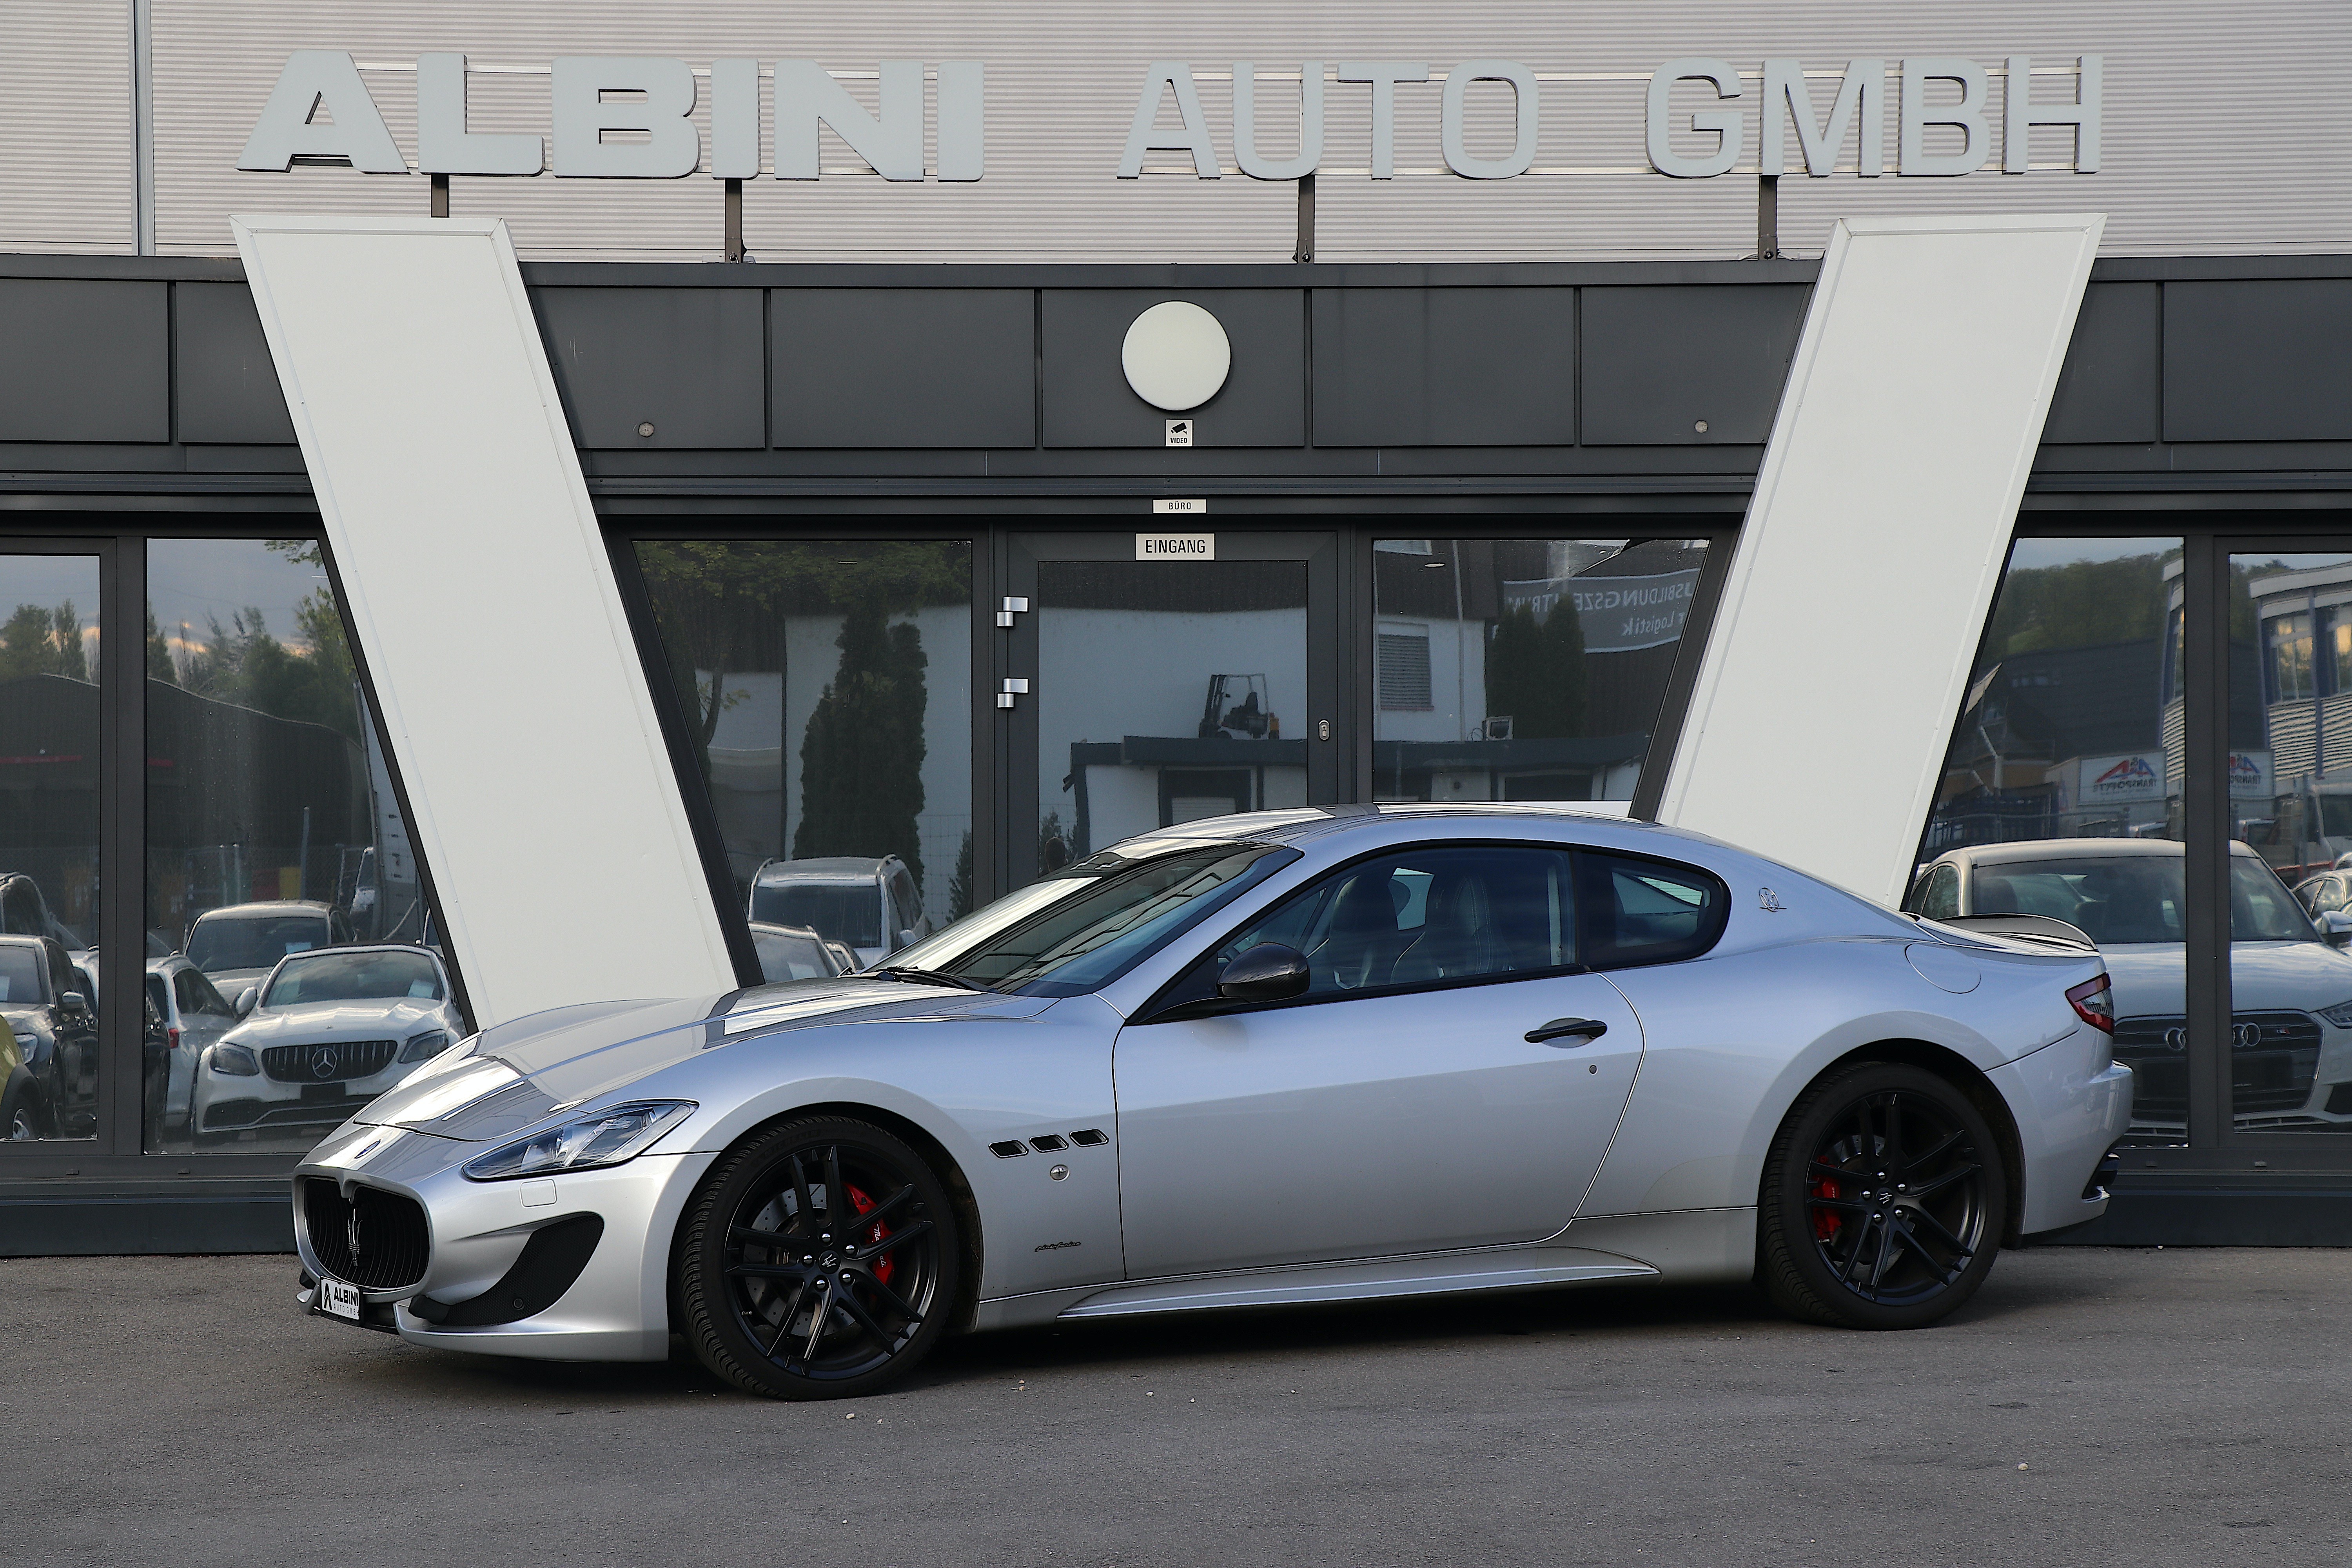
[818, 1260]
[1882, 1200]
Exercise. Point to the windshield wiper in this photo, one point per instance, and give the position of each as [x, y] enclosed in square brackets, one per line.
[928, 977]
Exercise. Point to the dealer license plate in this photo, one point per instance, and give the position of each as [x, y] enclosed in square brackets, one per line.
[337, 1300]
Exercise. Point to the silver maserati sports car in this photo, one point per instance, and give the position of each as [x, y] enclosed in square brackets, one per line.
[1302, 1056]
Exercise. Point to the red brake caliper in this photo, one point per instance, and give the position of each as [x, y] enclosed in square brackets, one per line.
[860, 1204]
[1826, 1222]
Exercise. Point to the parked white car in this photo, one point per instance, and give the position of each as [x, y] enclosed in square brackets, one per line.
[2290, 989]
[236, 944]
[195, 1016]
[327, 1033]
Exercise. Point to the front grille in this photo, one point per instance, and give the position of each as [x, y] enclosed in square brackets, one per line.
[329, 1063]
[376, 1240]
[2273, 1060]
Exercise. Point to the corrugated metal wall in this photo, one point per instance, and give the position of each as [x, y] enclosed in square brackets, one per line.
[65, 181]
[2227, 128]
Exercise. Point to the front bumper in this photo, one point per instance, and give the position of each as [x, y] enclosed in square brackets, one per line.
[615, 1307]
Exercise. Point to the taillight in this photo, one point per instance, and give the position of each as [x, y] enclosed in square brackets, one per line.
[2094, 1002]
[171, 1032]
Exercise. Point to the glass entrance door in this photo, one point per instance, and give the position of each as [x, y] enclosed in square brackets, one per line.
[1155, 678]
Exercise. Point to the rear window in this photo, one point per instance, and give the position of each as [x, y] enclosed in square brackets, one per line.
[254, 941]
[847, 912]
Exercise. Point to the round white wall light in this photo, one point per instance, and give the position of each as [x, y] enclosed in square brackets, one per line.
[1176, 355]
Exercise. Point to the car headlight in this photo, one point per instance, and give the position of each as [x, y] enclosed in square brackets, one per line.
[606, 1138]
[2340, 1014]
[234, 1062]
[425, 1047]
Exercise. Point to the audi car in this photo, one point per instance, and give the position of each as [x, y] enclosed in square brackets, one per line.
[323, 1034]
[1289, 1057]
[2290, 987]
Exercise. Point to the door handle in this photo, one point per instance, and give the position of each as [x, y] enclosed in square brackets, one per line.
[1569, 1032]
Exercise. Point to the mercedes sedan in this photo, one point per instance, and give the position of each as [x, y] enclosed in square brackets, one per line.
[1294, 1057]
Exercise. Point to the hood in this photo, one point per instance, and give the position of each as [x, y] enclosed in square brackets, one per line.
[2265, 976]
[311, 1022]
[520, 1072]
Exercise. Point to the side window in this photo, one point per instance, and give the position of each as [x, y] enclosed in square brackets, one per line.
[1938, 897]
[1648, 912]
[62, 977]
[1424, 918]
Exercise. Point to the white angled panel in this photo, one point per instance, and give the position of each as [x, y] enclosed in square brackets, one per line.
[1876, 538]
[479, 589]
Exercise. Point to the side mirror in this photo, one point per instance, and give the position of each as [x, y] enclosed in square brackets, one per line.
[247, 998]
[906, 937]
[2336, 925]
[73, 1005]
[1266, 972]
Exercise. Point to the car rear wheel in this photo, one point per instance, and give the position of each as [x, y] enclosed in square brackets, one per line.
[818, 1260]
[1883, 1201]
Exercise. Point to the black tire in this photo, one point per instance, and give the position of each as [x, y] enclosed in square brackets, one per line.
[20, 1108]
[1882, 1203]
[777, 1300]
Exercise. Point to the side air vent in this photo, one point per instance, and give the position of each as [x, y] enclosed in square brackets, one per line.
[1090, 1137]
[1048, 1143]
[1008, 1151]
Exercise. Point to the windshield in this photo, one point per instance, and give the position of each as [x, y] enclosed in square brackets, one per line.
[20, 975]
[845, 911]
[2120, 899]
[354, 977]
[1081, 928]
[253, 941]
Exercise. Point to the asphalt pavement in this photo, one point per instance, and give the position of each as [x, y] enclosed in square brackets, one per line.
[2090, 1406]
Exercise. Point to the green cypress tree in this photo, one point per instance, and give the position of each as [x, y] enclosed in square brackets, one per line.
[861, 755]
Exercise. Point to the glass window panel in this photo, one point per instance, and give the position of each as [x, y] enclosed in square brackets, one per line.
[2290, 796]
[1426, 917]
[49, 758]
[1167, 691]
[273, 831]
[828, 689]
[2061, 792]
[1523, 668]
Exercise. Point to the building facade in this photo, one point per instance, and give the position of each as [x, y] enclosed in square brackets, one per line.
[596, 489]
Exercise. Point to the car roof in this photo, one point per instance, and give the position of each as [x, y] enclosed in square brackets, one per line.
[834, 866]
[2075, 849]
[262, 907]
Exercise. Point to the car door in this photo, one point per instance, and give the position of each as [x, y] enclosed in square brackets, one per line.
[1398, 1105]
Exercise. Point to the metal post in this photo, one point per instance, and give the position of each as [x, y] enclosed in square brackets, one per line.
[2207, 827]
[1305, 250]
[440, 195]
[143, 122]
[1768, 217]
[734, 220]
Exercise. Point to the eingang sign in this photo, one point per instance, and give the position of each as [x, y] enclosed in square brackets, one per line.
[631, 117]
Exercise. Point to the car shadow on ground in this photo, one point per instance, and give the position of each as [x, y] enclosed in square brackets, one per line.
[1621, 1312]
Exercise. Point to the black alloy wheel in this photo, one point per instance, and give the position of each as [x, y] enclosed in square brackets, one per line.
[1882, 1203]
[819, 1260]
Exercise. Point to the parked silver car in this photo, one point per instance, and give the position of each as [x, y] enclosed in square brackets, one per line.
[49, 1005]
[2290, 989]
[796, 953]
[1294, 1057]
[323, 1034]
[236, 944]
[870, 907]
[194, 1015]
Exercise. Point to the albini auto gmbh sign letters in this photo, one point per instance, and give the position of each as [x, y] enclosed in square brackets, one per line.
[630, 117]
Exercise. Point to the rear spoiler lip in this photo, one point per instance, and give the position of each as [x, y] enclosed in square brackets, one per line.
[2033, 931]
